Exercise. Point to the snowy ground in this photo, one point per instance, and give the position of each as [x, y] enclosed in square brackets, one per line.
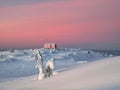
[77, 70]
[21, 63]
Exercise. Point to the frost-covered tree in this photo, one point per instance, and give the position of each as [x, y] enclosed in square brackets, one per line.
[39, 65]
[50, 67]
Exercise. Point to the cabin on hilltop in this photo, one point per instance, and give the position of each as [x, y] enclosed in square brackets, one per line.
[50, 46]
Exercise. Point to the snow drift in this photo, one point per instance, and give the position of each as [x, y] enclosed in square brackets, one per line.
[98, 75]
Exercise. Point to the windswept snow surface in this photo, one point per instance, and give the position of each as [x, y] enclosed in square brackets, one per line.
[103, 74]
[21, 63]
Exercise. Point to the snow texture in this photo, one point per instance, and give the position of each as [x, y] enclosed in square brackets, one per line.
[97, 75]
[21, 63]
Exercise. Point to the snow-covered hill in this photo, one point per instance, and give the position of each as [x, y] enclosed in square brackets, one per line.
[21, 63]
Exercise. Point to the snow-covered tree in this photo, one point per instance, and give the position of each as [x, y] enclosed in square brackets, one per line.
[39, 65]
[50, 67]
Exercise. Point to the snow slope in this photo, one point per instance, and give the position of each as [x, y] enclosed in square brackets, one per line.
[21, 63]
[103, 74]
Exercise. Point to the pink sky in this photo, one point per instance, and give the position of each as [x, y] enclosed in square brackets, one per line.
[70, 23]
